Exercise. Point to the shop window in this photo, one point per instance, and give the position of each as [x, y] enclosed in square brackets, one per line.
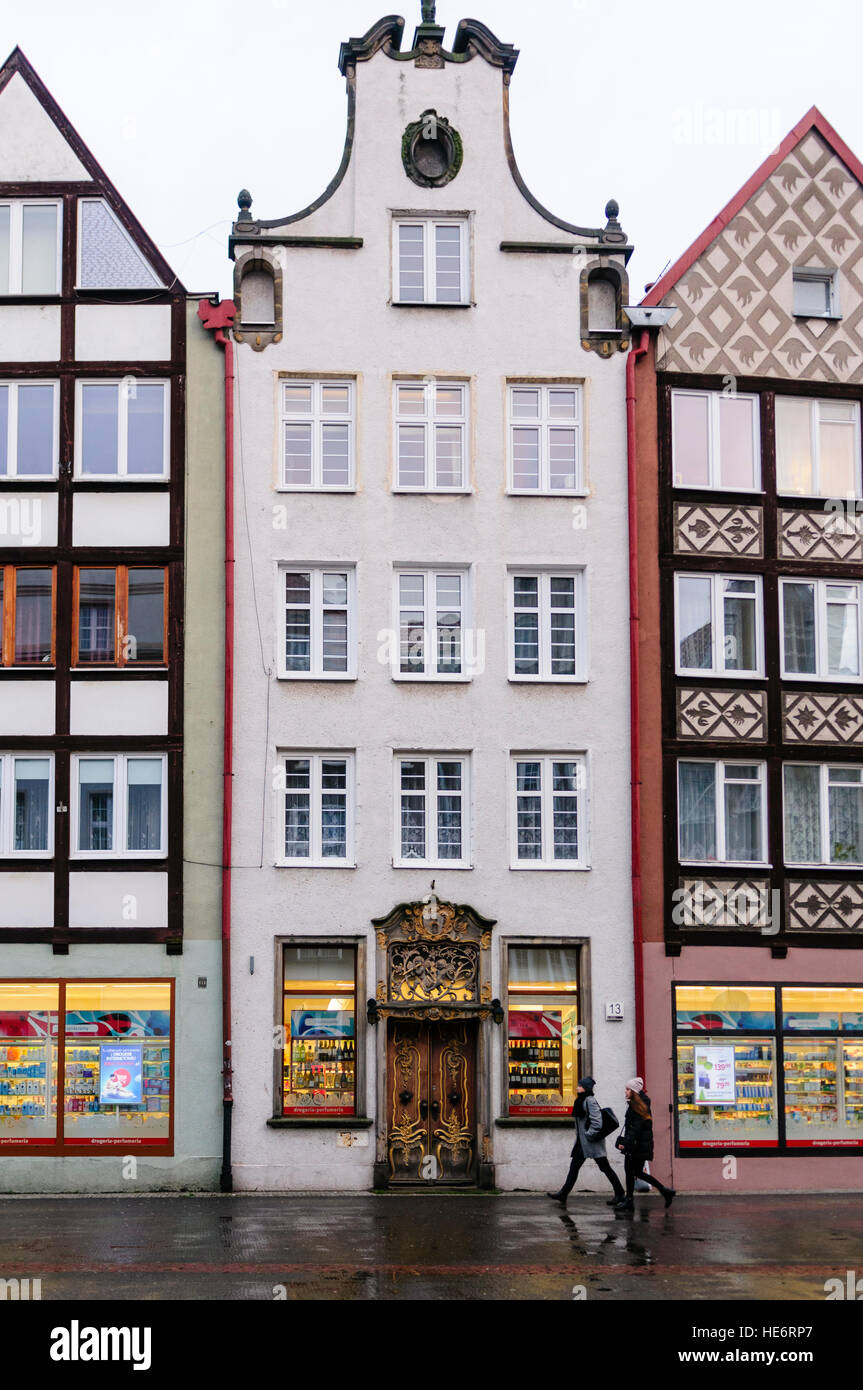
[781, 1069]
[543, 1038]
[431, 435]
[26, 805]
[120, 617]
[719, 624]
[821, 629]
[121, 429]
[119, 806]
[817, 447]
[30, 247]
[545, 439]
[27, 616]
[715, 441]
[319, 1030]
[116, 1043]
[823, 1075]
[317, 419]
[29, 429]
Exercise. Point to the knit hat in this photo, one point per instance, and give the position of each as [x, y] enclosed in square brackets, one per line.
[587, 1084]
[636, 1084]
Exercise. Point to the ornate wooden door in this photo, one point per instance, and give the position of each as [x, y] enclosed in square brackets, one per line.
[431, 1101]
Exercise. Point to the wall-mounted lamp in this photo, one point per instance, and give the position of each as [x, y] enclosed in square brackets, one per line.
[497, 1011]
[372, 1013]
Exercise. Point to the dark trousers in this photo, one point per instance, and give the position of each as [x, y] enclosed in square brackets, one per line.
[602, 1164]
[634, 1169]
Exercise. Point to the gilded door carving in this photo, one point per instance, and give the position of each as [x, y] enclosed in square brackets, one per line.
[431, 1102]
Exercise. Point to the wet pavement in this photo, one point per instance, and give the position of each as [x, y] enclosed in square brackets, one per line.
[425, 1246]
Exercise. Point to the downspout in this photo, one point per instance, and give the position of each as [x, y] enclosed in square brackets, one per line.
[219, 317]
[634, 699]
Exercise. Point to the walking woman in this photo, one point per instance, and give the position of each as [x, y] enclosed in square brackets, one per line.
[636, 1143]
[588, 1143]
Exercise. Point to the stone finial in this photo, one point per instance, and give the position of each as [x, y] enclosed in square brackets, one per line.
[612, 208]
[244, 202]
[429, 7]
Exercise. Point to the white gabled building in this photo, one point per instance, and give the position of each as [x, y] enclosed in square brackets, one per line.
[431, 654]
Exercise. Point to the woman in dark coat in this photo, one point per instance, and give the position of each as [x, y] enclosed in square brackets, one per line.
[588, 1144]
[636, 1144]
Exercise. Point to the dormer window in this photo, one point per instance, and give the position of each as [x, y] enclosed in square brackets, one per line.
[816, 294]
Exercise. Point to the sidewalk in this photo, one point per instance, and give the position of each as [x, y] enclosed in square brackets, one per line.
[429, 1247]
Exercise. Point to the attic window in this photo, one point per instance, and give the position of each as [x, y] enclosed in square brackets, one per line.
[815, 294]
[258, 298]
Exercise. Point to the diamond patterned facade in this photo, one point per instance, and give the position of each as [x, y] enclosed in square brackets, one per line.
[734, 304]
[716, 530]
[822, 535]
[722, 714]
[822, 718]
[814, 906]
[721, 903]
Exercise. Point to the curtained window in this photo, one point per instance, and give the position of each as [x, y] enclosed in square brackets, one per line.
[821, 629]
[823, 814]
[721, 812]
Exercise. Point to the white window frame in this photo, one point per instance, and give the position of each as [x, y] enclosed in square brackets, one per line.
[123, 397]
[7, 805]
[430, 761]
[121, 807]
[429, 422]
[13, 386]
[430, 574]
[821, 275]
[16, 242]
[719, 766]
[714, 454]
[316, 571]
[430, 259]
[316, 759]
[544, 423]
[815, 403]
[581, 797]
[821, 672]
[717, 665]
[316, 419]
[582, 646]
[824, 784]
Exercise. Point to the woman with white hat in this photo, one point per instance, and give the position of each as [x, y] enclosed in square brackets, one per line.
[636, 1144]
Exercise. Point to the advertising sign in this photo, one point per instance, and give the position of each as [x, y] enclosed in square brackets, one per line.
[120, 1073]
[524, 1024]
[321, 1023]
[714, 1076]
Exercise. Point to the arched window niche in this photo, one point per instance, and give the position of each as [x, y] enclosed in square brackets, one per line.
[258, 297]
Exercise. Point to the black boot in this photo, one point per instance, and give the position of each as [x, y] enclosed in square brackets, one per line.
[557, 1197]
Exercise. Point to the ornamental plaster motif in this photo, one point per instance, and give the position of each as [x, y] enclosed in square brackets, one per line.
[734, 303]
[721, 903]
[819, 535]
[810, 717]
[819, 906]
[729, 715]
[717, 530]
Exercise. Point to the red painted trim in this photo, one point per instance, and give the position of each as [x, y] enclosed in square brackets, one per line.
[634, 698]
[219, 317]
[813, 120]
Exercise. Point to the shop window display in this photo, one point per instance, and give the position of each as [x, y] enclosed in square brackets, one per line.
[543, 1034]
[319, 1031]
[114, 1041]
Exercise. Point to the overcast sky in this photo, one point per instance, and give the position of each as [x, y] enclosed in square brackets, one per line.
[667, 107]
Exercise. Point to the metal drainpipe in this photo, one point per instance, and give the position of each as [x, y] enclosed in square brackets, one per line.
[634, 736]
[219, 317]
